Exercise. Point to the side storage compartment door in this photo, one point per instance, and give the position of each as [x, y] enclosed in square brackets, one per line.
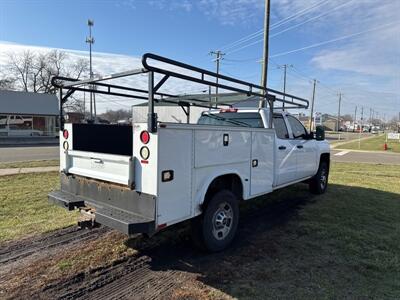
[262, 162]
[175, 155]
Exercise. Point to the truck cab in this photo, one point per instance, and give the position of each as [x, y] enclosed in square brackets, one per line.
[297, 151]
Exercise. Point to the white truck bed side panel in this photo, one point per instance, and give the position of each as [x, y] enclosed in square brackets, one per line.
[145, 172]
[262, 176]
[204, 176]
[210, 150]
[175, 152]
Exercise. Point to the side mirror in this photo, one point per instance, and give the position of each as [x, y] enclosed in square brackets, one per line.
[320, 133]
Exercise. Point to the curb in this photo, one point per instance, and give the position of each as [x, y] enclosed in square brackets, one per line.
[16, 171]
[366, 151]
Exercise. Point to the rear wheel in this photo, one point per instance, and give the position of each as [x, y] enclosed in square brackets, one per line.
[319, 183]
[215, 229]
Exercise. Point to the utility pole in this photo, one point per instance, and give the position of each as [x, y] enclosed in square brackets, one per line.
[355, 119]
[217, 60]
[370, 116]
[338, 118]
[284, 67]
[264, 74]
[312, 105]
[362, 118]
[361, 128]
[90, 41]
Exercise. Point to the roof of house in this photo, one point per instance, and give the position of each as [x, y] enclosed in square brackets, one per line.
[27, 103]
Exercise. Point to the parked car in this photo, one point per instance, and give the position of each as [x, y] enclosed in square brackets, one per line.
[15, 130]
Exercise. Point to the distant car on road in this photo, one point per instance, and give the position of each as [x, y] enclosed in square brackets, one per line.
[375, 129]
[15, 130]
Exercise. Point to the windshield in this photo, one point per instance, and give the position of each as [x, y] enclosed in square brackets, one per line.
[232, 119]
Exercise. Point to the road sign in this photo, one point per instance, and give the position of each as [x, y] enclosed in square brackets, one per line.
[393, 136]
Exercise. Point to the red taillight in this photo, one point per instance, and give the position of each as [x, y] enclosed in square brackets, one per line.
[65, 134]
[144, 137]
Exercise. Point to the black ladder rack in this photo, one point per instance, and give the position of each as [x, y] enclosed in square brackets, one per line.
[155, 64]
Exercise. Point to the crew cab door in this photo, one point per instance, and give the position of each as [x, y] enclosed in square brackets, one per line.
[285, 149]
[306, 149]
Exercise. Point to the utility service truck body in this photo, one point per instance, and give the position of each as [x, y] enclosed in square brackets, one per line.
[144, 177]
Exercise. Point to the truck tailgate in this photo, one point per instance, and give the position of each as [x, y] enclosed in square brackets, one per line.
[108, 167]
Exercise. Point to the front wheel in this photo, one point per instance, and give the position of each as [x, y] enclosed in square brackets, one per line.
[215, 229]
[319, 183]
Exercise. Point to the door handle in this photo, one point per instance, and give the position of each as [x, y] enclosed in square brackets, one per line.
[97, 161]
[300, 146]
[282, 148]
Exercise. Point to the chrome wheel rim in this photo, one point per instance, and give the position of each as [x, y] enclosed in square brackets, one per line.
[323, 178]
[222, 221]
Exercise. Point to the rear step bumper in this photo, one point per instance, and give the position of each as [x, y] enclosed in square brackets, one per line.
[123, 221]
[66, 200]
[125, 210]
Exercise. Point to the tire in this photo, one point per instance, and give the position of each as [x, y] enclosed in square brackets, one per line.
[215, 229]
[319, 183]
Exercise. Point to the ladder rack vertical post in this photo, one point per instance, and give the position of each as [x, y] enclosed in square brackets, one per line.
[151, 116]
[271, 99]
[61, 117]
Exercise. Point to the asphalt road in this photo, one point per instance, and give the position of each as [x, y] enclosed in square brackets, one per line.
[13, 154]
[365, 157]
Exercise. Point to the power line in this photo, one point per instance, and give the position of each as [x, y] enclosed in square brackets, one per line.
[245, 46]
[292, 27]
[298, 14]
[312, 19]
[242, 40]
[333, 40]
[276, 25]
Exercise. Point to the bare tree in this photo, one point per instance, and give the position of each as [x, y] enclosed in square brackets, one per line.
[7, 83]
[33, 72]
[116, 115]
[347, 117]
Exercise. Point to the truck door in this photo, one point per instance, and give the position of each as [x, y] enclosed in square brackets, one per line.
[306, 150]
[286, 162]
[262, 162]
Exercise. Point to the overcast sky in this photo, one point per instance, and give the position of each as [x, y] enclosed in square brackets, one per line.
[351, 46]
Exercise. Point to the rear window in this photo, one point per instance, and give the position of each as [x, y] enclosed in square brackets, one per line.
[232, 119]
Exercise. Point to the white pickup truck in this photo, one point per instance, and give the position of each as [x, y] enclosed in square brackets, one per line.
[147, 176]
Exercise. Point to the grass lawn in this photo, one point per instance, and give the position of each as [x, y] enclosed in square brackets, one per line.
[23, 205]
[30, 164]
[343, 244]
[373, 144]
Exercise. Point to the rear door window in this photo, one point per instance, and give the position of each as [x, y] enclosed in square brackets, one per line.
[298, 129]
[280, 127]
[232, 119]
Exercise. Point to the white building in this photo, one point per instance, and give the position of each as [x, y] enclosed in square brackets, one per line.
[170, 112]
